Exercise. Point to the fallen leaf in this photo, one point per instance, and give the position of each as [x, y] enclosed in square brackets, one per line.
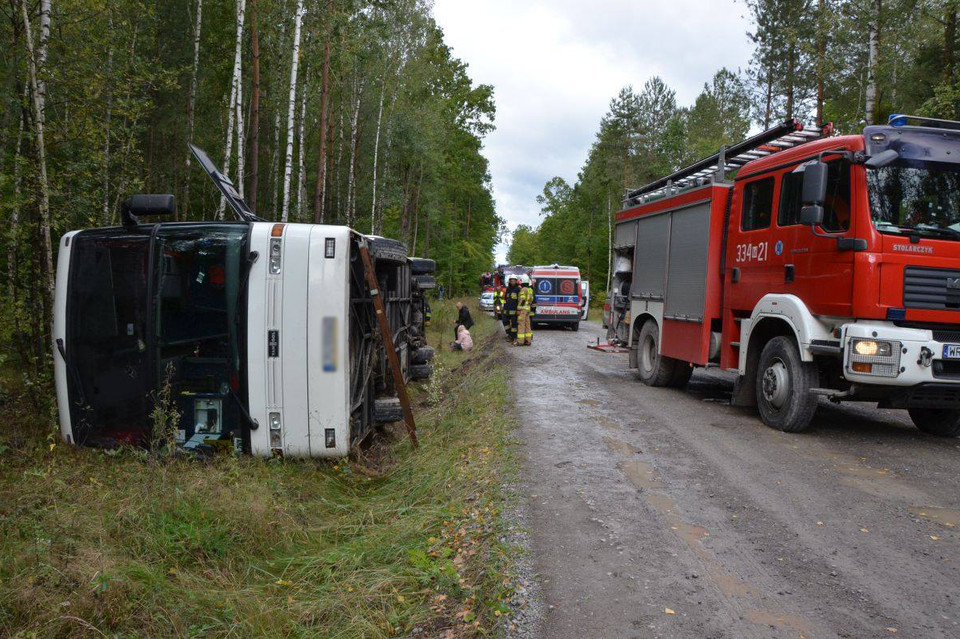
[283, 582]
[669, 611]
[934, 537]
[891, 629]
[864, 530]
[819, 523]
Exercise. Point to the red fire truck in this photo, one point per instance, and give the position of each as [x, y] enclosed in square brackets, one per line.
[829, 266]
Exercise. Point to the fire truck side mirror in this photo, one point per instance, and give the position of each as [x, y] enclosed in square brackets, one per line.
[814, 183]
[811, 215]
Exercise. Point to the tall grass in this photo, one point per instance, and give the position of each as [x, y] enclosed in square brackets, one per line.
[114, 543]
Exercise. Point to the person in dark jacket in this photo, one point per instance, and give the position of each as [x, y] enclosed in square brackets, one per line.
[463, 319]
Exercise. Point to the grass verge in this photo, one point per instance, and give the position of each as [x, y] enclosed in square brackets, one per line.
[394, 541]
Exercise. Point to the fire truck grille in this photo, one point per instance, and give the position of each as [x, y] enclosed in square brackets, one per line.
[931, 288]
[947, 337]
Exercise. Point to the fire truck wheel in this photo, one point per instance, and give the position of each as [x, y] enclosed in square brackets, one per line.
[652, 368]
[783, 386]
[682, 376]
[942, 422]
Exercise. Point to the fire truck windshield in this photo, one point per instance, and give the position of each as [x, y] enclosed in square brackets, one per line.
[916, 198]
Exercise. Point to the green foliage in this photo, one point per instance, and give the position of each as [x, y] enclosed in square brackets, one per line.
[393, 542]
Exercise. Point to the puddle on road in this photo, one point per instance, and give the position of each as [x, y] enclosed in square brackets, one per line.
[606, 422]
[621, 447]
[590, 402]
[644, 477]
[784, 622]
[944, 516]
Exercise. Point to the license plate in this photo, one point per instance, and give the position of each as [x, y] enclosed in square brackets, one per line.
[951, 351]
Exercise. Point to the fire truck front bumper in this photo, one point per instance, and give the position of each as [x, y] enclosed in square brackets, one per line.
[882, 354]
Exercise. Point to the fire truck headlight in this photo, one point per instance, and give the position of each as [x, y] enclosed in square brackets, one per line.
[872, 348]
[874, 357]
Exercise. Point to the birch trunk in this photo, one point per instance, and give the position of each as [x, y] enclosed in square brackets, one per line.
[15, 212]
[376, 152]
[336, 177]
[38, 94]
[191, 106]
[870, 94]
[235, 104]
[291, 108]
[254, 108]
[351, 176]
[320, 193]
[301, 168]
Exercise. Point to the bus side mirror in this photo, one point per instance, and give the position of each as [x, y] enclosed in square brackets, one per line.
[814, 183]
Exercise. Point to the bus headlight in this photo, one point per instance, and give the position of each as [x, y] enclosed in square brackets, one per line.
[874, 357]
[276, 440]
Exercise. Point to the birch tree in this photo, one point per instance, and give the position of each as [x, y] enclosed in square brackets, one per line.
[191, 105]
[301, 152]
[254, 107]
[235, 107]
[870, 93]
[291, 108]
[36, 59]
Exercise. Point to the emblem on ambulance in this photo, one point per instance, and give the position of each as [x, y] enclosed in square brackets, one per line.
[544, 286]
[778, 247]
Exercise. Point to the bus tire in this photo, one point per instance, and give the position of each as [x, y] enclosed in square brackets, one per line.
[422, 266]
[652, 368]
[783, 386]
[385, 249]
[942, 422]
[421, 371]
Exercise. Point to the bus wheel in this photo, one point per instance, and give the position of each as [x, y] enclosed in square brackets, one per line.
[783, 387]
[652, 368]
[942, 422]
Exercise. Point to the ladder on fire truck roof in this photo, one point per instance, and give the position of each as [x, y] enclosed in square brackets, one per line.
[787, 134]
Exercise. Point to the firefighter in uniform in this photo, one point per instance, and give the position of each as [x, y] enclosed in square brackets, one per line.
[510, 308]
[524, 310]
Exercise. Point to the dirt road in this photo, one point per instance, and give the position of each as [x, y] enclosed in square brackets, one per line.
[664, 513]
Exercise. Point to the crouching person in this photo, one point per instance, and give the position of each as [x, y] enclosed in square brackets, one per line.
[464, 341]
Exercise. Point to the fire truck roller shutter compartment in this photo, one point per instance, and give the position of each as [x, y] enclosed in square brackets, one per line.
[683, 313]
[650, 261]
[626, 235]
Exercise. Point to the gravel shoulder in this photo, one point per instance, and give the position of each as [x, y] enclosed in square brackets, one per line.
[664, 513]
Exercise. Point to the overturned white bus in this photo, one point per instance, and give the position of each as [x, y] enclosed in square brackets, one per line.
[264, 332]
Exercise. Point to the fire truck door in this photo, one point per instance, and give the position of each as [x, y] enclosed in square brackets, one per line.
[755, 268]
[814, 269]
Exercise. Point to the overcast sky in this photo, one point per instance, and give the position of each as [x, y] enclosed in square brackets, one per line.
[555, 65]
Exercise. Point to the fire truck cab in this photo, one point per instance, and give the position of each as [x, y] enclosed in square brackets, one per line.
[830, 266]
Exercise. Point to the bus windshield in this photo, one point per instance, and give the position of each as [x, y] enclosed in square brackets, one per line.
[150, 308]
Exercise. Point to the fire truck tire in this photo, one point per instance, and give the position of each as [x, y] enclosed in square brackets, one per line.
[653, 369]
[783, 386]
[942, 422]
[682, 375]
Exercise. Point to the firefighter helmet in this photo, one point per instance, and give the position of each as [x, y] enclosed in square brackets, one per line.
[513, 276]
[525, 279]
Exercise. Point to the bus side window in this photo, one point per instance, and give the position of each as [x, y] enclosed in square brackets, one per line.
[757, 205]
